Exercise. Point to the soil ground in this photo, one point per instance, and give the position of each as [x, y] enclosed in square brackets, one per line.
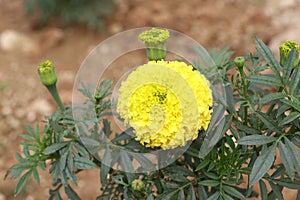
[214, 23]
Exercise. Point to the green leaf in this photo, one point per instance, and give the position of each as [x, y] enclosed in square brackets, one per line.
[203, 164]
[212, 183]
[191, 193]
[126, 162]
[234, 192]
[292, 151]
[264, 80]
[294, 102]
[262, 164]
[71, 193]
[167, 195]
[295, 81]
[215, 196]
[212, 138]
[268, 121]
[202, 192]
[146, 164]
[285, 182]
[263, 190]
[287, 69]
[271, 97]
[105, 166]
[227, 197]
[22, 182]
[291, 117]
[268, 56]
[286, 160]
[181, 195]
[36, 175]
[55, 147]
[83, 163]
[276, 191]
[256, 140]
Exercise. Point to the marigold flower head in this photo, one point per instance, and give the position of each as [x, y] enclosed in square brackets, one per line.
[166, 103]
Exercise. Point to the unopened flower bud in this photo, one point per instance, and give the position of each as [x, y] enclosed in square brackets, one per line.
[47, 73]
[155, 41]
[285, 49]
[137, 184]
[239, 61]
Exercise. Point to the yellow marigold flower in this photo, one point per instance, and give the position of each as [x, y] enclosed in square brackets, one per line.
[166, 103]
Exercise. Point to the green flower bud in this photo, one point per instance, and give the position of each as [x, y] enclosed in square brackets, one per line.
[137, 184]
[239, 61]
[155, 41]
[285, 49]
[47, 73]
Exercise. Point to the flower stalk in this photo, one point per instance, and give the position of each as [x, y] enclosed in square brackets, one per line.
[48, 77]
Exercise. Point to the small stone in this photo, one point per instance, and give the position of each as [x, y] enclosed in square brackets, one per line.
[20, 113]
[13, 122]
[11, 40]
[41, 106]
[6, 110]
[2, 196]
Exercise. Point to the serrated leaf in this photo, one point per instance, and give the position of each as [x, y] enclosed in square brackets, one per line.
[262, 164]
[271, 97]
[203, 164]
[71, 193]
[295, 81]
[211, 139]
[294, 102]
[105, 166]
[84, 163]
[202, 192]
[55, 147]
[291, 117]
[286, 160]
[234, 192]
[126, 162]
[191, 193]
[146, 164]
[293, 153]
[276, 191]
[268, 121]
[263, 190]
[287, 69]
[268, 56]
[256, 140]
[36, 175]
[264, 80]
[285, 182]
[181, 195]
[212, 183]
[167, 195]
[22, 182]
[215, 196]
[227, 197]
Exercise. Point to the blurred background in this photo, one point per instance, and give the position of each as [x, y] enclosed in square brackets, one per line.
[65, 31]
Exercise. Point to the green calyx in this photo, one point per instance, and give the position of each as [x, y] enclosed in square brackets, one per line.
[155, 41]
[285, 49]
[47, 73]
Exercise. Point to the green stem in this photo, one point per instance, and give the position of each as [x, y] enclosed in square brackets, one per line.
[245, 92]
[53, 90]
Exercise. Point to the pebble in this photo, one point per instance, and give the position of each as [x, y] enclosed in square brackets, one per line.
[11, 40]
[39, 107]
[2, 196]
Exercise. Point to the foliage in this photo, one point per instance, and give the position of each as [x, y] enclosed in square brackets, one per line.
[89, 12]
[262, 115]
